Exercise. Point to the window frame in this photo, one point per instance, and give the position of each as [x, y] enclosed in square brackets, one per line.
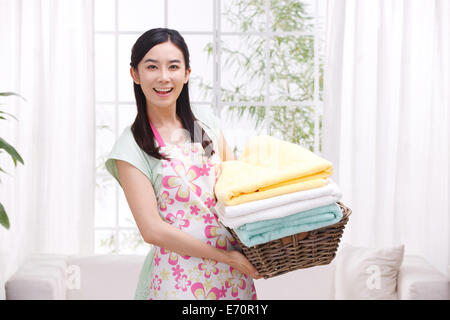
[216, 102]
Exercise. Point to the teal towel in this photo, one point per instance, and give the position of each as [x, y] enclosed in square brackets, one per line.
[255, 233]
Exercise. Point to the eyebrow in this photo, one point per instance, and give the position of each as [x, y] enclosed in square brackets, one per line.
[156, 61]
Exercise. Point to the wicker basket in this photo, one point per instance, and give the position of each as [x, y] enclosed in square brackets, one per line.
[302, 250]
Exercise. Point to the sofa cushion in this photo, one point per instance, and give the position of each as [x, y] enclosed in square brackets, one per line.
[367, 273]
[419, 280]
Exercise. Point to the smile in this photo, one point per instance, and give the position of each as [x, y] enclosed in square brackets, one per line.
[163, 91]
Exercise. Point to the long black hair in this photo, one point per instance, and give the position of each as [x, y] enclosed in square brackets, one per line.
[140, 128]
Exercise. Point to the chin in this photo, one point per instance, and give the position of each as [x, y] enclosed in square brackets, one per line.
[164, 104]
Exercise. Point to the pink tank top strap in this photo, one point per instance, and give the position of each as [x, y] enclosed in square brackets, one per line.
[157, 136]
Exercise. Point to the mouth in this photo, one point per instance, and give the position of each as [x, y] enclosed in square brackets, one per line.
[163, 92]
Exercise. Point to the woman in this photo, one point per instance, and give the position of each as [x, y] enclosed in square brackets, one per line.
[168, 179]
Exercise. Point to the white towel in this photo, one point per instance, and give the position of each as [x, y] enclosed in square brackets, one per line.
[331, 189]
[279, 211]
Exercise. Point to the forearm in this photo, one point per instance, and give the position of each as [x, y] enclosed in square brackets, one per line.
[171, 238]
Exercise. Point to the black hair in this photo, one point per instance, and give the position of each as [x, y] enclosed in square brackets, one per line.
[142, 132]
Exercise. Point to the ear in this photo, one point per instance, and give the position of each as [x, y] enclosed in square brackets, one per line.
[135, 75]
[186, 77]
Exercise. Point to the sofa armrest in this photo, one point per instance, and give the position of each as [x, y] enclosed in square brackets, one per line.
[105, 276]
[41, 277]
[418, 280]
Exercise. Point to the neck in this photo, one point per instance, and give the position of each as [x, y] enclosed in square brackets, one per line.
[160, 117]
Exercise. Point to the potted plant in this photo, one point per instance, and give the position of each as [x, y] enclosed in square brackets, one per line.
[15, 156]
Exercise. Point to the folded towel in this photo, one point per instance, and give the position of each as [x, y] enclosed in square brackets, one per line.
[278, 212]
[331, 189]
[264, 231]
[270, 167]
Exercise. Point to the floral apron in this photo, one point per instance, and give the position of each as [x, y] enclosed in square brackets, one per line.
[186, 200]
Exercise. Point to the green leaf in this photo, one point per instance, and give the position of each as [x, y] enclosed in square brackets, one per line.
[9, 114]
[6, 94]
[12, 152]
[1, 170]
[4, 221]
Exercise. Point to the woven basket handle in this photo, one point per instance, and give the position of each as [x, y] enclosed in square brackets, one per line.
[294, 238]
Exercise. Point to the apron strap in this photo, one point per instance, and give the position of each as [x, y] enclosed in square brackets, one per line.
[156, 134]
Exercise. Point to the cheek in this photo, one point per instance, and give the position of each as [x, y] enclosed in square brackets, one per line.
[180, 81]
[147, 84]
[148, 79]
[180, 87]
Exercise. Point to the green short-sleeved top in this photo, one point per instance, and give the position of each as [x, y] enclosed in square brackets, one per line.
[126, 148]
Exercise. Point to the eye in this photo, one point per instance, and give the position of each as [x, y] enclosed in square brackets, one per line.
[151, 67]
[174, 67]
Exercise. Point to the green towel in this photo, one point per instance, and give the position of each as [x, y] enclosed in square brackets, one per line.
[259, 232]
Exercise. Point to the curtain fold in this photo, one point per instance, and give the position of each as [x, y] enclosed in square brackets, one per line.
[47, 56]
[387, 121]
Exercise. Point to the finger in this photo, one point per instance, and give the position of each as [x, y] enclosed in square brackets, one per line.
[254, 273]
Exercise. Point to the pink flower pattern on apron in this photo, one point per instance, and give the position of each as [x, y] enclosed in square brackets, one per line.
[186, 200]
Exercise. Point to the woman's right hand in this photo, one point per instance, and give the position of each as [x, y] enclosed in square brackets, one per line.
[238, 261]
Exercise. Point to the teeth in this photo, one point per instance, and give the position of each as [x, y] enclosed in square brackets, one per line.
[163, 90]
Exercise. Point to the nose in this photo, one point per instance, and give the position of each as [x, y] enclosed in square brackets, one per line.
[164, 75]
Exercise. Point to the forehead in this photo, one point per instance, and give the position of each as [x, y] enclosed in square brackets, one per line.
[165, 51]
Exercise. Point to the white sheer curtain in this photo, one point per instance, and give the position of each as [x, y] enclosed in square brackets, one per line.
[387, 121]
[47, 56]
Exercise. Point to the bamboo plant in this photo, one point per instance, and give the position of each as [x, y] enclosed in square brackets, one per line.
[292, 66]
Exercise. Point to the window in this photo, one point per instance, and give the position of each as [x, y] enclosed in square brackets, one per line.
[258, 64]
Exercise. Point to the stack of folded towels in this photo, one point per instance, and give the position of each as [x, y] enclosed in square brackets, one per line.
[276, 189]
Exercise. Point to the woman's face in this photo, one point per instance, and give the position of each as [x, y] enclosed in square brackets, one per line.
[161, 74]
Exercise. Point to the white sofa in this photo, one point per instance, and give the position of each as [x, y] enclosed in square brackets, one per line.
[115, 277]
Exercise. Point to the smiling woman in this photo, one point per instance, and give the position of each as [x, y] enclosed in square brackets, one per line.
[169, 184]
[160, 70]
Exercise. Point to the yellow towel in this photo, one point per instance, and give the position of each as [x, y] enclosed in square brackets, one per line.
[270, 167]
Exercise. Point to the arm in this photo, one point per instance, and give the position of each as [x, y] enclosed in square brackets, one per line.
[141, 198]
[224, 150]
